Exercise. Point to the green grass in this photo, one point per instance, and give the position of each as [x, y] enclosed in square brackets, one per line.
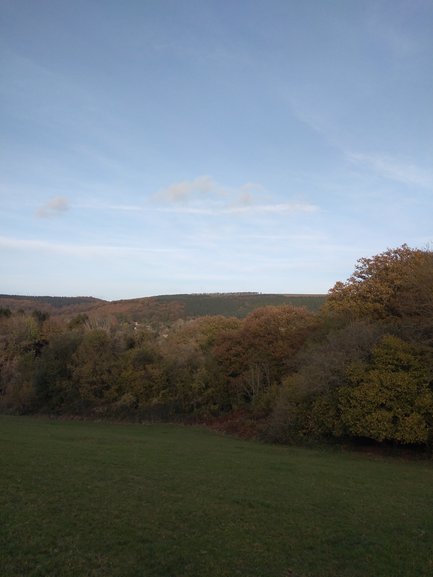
[100, 500]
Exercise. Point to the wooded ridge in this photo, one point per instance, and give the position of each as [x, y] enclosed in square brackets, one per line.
[357, 364]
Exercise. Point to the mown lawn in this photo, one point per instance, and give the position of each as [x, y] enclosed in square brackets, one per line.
[100, 500]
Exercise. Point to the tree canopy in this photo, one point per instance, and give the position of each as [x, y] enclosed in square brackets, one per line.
[397, 283]
[361, 368]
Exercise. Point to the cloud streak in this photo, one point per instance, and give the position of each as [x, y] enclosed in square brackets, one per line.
[392, 169]
[279, 208]
[81, 250]
[114, 207]
[200, 196]
[204, 196]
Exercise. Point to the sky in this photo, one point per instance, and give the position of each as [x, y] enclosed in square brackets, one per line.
[184, 146]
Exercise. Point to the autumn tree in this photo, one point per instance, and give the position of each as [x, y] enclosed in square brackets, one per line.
[54, 371]
[94, 370]
[262, 351]
[192, 376]
[140, 389]
[388, 296]
[307, 403]
[20, 346]
[391, 397]
[395, 286]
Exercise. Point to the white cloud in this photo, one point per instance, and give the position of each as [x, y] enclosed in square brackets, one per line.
[205, 187]
[274, 208]
[278, 208]
[187, 189]
[309, 238]
[79, 250]
[205, 196]
[54, 207]
[115, 207]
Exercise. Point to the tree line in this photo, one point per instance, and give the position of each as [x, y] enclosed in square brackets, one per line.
[359, 368]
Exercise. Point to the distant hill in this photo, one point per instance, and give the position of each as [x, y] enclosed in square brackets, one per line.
[162, 308]
[168, 308]
[239, 304]
[52, 305]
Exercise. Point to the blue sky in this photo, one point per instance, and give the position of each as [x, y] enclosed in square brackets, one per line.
[175, 146]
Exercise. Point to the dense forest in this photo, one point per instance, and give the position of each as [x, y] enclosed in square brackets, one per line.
[159, 309]
[360, 366]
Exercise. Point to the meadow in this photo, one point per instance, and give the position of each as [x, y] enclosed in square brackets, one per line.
[88, 499]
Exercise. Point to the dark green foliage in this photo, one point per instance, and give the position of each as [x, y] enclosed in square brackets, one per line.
[53, 378]
[17, 384]
[40, 316]
[78, 321]
[158, 310]
[239, 304]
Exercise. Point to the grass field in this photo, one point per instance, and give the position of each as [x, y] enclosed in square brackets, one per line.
[101, 500]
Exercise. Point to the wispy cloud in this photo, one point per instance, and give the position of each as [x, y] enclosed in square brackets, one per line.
[390, 28]
[185, 190]
[205, 196]
[331, 130]
[309, 238]
[205, 187]
[277, 208]
[107, 206]
[202, 196]
[383, 165]
[80, 249]
[54, 207]
[393, 169]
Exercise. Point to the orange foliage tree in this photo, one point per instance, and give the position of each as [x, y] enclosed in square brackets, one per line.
[395, 285]
[261, 352]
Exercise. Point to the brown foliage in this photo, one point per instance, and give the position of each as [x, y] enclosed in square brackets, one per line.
[262, 351]
[396, 285]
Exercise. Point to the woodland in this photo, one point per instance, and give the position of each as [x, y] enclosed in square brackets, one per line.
[358, 368]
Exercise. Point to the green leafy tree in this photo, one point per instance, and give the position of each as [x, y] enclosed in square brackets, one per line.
[5, 312]
[140, 390]
[53, 374]
[17, 390]
[391, 397]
